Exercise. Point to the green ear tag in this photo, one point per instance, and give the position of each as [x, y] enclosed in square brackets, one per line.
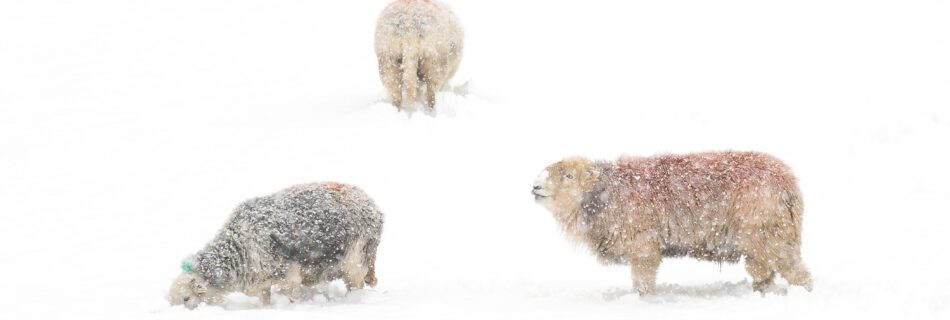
[187, 267]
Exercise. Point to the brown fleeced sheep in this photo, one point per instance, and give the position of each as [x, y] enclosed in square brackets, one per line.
[418, 43]
[713, 206]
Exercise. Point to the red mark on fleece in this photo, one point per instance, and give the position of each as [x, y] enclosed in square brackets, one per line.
[336, 187]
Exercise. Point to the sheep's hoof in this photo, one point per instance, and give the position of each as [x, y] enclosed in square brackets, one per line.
[761, 287]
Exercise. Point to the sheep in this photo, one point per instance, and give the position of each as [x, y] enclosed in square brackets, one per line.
[418, 42]
[712, 206]
[296, 237]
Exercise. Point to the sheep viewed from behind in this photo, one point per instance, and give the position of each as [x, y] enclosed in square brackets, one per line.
[418, 46]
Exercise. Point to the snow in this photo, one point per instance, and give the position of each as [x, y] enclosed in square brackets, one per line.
[129, 130]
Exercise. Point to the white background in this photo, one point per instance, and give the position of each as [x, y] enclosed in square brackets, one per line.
[130, 129]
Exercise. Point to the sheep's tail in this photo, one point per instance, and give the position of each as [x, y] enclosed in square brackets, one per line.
[410, 72]
[796, 208]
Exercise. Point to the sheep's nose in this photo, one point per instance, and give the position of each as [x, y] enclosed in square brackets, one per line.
[536, 188]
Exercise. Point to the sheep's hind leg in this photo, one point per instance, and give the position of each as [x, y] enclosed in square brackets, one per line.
[431, 90]
[762, 274]
[353, 266]
[793, 270]
[354, 281]
[292, 285]
[434, 78]
[391, 75]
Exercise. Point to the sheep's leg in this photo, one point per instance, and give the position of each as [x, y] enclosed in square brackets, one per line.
[265, 296]
[353, 276]
[434, 73]
[762, 274]
[353, 265]
[430, 95]
[391, 75]
[353, 282]
[644, 274]
[783, 256]
[793, 270]
[645, 260]
[292, 285]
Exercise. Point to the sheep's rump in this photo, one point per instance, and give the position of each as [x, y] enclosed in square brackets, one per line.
[312, 225]
[419, 46]
[419, 29]
[322, 222]
[713, 206]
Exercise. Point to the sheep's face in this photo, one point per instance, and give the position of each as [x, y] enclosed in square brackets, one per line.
[563, 184]
[188, 290]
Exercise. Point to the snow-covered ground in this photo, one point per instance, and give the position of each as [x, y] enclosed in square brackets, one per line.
[130, 129]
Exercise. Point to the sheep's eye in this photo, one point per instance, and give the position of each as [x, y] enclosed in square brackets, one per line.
[569, 176]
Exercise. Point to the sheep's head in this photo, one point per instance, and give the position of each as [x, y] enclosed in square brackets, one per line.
[188, 290]
[562, 185]
[191, 289]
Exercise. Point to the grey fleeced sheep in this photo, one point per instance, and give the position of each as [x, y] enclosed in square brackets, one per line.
[418, 42]
[297, 237]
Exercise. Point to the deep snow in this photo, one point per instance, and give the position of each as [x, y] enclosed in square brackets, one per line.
[130, 129]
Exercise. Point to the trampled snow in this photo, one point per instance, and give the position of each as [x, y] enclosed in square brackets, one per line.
[129, 130]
